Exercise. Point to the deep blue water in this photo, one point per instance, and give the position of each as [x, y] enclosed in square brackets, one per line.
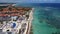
[56, 5]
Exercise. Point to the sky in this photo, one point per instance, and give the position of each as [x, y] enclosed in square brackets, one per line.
[31, 1]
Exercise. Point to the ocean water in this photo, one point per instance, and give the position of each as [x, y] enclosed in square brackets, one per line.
[39, 22]
[46, 17]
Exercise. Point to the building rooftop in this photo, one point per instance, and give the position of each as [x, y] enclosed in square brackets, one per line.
[1, 32]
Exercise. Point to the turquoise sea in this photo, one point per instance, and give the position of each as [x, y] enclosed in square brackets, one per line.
[42, 27]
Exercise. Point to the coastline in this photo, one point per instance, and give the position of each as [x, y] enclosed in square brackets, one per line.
[30, 22]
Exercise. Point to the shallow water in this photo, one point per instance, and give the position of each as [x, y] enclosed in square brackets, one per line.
[42, 27]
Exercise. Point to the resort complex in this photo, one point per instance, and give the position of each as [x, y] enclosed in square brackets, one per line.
[15, 20]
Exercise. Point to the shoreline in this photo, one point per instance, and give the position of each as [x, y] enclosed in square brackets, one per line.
[30, 22]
